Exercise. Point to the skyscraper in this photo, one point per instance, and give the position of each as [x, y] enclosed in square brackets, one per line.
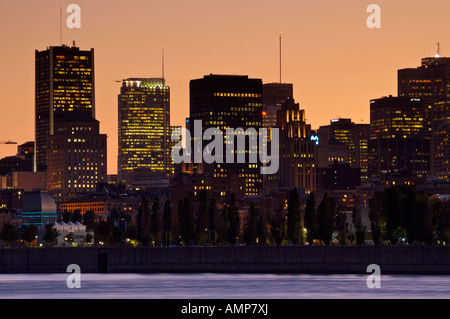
[229, 101]
[431, 84]
[298, 154]
[144, 131]
[64, 82]
[76, 157]
[354, 136]
[398, 137]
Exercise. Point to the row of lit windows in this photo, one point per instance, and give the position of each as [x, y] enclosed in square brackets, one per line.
[237, 94]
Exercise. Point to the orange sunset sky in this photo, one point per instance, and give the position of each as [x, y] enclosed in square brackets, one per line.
[336, 63]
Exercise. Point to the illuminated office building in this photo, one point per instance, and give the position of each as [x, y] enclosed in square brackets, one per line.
[144, 132]
[298, 153]
[398, 140]
[229, 101]
[431, 84]
[76, 157]
[64, 82]
[274, 96]
[344, 141]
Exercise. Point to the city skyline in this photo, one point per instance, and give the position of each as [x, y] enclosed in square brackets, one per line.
[324, 46]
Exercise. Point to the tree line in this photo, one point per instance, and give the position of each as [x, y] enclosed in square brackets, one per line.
[396, 212]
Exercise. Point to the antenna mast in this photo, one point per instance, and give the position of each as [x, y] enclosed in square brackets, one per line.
[163, 63]
[60, 25]
[280, 57]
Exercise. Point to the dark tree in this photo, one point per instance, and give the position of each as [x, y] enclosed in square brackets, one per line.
[157, 222]
[358, 226]
[187, 222]
[9, 233]
[294, 227]
[325, 215]
[341, 222]
[250, 231]
[444, 223]
[212, 221]
[277, 226]
[261, 227]
[375, 205]
[311, 224]
[51, 234]
[89, 220]
[144, 222]
[29, 233]
[167, 223]
[202, 218]
[76, 216]
[67, 216]
[223, 226]
[234, 221]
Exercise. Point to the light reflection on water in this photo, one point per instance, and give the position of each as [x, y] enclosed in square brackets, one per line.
[222, 286]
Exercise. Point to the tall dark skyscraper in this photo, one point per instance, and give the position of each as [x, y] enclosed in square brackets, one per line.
[64, 83]
[229, 101]
[274, 95]
[398, 137]
[431, 84]
[144, 131]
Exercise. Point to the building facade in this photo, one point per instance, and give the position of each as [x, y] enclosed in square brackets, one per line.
[144, 132]
[64, 82]
[431, 84]
[77, 159]
[298, 153]
[228, 102]
[399, 139]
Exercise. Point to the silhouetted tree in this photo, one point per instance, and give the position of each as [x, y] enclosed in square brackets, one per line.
[358, 226]
[187, 222]
[156, 222]
[50, 234]
[277, 226]
[89, 220]
[29, 233]
[167, 222]
[9, 233]
[311, 224]
[222, 234]
[261, 227]
[144, 222]
[202, 218]
[250, 231]
[375, 205]
[234, 221]
[325, 215]
[294, 227]
[212, 221]
[76, 216]
[66, 216]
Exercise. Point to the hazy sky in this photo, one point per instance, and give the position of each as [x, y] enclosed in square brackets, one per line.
[336, 63]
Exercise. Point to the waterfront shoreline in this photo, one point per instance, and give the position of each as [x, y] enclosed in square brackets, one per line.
[234, 259]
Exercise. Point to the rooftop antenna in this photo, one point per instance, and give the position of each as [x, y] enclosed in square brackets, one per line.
[280, 56]
[438, 54]
[60, 24]
[163, 63]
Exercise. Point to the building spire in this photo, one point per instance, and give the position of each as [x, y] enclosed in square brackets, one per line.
[280, 56]
[162, 63]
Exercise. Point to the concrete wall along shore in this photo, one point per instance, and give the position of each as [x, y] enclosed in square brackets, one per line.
[261, 259]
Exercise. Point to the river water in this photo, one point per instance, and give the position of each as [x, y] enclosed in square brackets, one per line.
[221, 286]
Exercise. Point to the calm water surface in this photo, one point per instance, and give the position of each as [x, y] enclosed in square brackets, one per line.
[221, 286]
